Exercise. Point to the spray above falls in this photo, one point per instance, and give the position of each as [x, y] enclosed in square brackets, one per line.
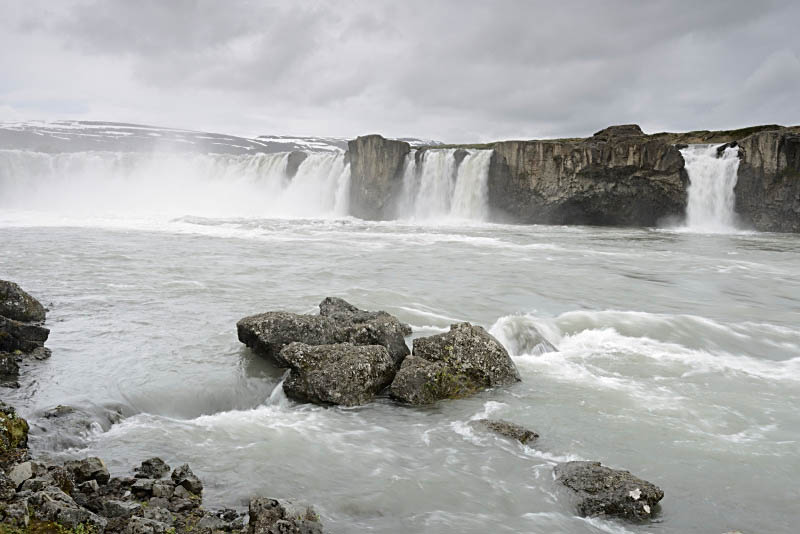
[712, 178]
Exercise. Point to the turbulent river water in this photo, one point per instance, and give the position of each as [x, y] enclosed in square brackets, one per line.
[678, 358]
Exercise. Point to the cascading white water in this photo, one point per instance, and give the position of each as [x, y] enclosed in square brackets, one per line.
[173, 184]
[711, 199]
[437, 187]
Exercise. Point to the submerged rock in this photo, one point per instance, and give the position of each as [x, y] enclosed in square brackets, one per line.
[507, 429]
[18, 305]
[339, 322]
[456, 364]
[343, 373]
[609, 492]
[277, 516]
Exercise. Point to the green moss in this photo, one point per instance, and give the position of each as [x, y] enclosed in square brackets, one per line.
[36, 526]
[13, 431]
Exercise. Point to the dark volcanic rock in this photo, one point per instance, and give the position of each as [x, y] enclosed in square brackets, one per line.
[274, 516]
[91, 468]
[343, 373]
[610, 492]
[183, 476]
[768, 185]
[456, 364]
[154, 468]
[20, 336]
[507, 429]
[18, 305]
[376, 167]
[618, 177]
[294, 161]
[338, 322]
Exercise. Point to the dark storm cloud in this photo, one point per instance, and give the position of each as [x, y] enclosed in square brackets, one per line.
[454, 70]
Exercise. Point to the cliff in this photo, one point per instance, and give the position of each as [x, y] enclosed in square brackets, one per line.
[768, 186]
[617, 177]
[376, 166]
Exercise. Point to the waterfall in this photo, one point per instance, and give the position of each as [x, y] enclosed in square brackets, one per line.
[711, 199]
[436, 187]
[173, 184]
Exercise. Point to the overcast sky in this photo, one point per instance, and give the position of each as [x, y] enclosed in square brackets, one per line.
[456, 71]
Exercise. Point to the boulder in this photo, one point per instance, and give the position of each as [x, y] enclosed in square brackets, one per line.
[92, 468]
[338, 322]
[140, 525]
[20, 473]
[152, 468]
[507, 429]
[18, 305]
[455, 364]
[274, 516]
[602, 491]
[21, 336]
[52, 504]
[183, 476]
[343, 373]
[9, 369]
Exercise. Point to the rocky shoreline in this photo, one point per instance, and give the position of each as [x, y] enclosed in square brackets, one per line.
[342, 356]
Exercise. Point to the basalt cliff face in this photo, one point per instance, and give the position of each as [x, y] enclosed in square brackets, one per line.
[376, 167]
[768, 186]
[617, 177]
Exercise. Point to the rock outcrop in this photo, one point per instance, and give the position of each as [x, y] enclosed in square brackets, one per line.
[338, 322]
[602, 491]
[22, 334]
[343, 374]
[81, 496]
[768, 185]
[376, 166]
[506, 429]
[617, 177]
[455, 364]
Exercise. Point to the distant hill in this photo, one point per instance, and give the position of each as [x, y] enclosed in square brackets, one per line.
[80, 136]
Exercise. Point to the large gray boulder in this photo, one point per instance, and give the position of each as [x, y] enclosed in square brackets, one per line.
[16, 304]
[278, 516]
[602, 491]
[52, 504]
[338, 322]
[459, 363]
[20, 336]
[343, 373]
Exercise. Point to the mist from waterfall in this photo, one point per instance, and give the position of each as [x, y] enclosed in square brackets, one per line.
[173, 184]
[711, 199]
[437, 187]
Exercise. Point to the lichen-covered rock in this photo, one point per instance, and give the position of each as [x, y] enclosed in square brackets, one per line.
[338, 322]
[609, 492]
[455, 364]
[91, 468]
[52, 504]
[507, 429]
[13, 434]
[277, 516]
[183, 476]
[343, 373]
[18, 305]
[152, 468]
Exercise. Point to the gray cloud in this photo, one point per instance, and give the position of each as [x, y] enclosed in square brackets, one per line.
[454, 70]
